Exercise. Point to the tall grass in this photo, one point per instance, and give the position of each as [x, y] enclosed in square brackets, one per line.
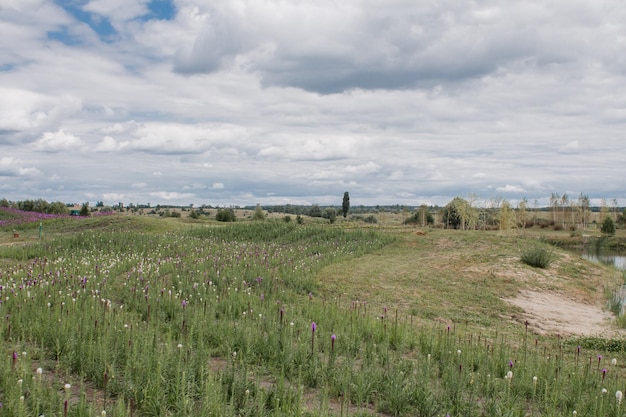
[537, 255]
[218, 321]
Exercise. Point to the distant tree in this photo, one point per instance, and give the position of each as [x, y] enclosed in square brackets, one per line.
[315, 211]
[422, 217]
[505, 216]
[522, 210]
[4, 202]
[345, 205]
[58, 207]
[225, 215]
[459, 214]
[564, 200]
[99, 204]
[584, 203]
[258, 213]
[554, 203]
[84, 210]
[608, 226]
[331, 214]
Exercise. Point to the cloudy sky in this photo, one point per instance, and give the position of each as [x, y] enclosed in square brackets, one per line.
[238, 102]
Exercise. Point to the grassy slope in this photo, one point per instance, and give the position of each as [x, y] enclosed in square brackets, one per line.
[459, 277]
[445, 275]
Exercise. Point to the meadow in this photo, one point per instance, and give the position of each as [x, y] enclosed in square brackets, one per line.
[130, 316]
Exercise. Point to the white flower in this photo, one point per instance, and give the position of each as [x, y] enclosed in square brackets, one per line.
[574, 413]
[67, 387]
[179, 346]
[534, 380]
[458, 352]
[613, 361]
[39, 371]
[618, 396]
[509, 375]
[604, 391]
[19, 382]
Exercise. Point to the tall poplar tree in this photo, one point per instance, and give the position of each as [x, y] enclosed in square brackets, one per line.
[345, 205]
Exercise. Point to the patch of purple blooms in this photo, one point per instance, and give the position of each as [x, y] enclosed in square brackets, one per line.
[17, 217]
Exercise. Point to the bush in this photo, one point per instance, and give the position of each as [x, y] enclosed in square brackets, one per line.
[608, 226]
[225, 215]
[537, 256]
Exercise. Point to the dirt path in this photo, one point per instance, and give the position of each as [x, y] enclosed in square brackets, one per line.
[554, 313]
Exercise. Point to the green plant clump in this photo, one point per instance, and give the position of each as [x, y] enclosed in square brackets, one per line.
[537, 256]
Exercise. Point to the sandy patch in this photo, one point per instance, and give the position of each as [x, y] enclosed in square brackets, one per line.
[550, 313]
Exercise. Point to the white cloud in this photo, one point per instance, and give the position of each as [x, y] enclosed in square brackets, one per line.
[510, 189]
[298, 101]
[10, 167]
[570, 147]
[117, 10]
[58, 141]
[165, 195]
[115, 197]
[109, 144]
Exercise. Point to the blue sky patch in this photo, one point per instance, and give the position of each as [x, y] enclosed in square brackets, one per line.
[161, 9]
[101, 25]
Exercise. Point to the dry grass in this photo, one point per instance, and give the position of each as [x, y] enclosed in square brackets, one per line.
[459, 277]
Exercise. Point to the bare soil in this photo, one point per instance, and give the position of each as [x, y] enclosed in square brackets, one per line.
[552, 313]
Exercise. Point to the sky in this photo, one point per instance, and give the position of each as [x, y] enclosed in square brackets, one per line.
[239, 102]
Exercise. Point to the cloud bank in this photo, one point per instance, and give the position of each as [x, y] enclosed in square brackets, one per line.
[263, 101]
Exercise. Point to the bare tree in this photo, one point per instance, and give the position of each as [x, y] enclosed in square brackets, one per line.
[554, 203]
[564, 200]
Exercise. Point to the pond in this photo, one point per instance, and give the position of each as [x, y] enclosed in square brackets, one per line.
[616, 260]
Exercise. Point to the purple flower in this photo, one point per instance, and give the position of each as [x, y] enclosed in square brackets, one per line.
[313, 327]
[184, 304]
[510, 364]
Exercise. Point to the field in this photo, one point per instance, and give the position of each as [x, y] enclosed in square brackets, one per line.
[133, 315]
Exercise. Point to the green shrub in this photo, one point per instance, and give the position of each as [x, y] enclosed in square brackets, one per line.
[225, 215]
[608, 226]
[537, 256]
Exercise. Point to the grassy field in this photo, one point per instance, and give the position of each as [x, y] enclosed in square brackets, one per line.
[134, 315]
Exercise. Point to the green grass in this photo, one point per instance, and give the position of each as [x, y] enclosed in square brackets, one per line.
[537, 255]
[167, 317]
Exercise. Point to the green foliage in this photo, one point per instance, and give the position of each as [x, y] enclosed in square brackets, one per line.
[84, 210]
[608, 226]
[331, 214]
[345, 205]
[366, 219]
[258, 213]
[421, 217]
[225, 215]
[216, 321]
[287, 219]
[537, 255]
[315, 211]
[459, 214]
[194, 214]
